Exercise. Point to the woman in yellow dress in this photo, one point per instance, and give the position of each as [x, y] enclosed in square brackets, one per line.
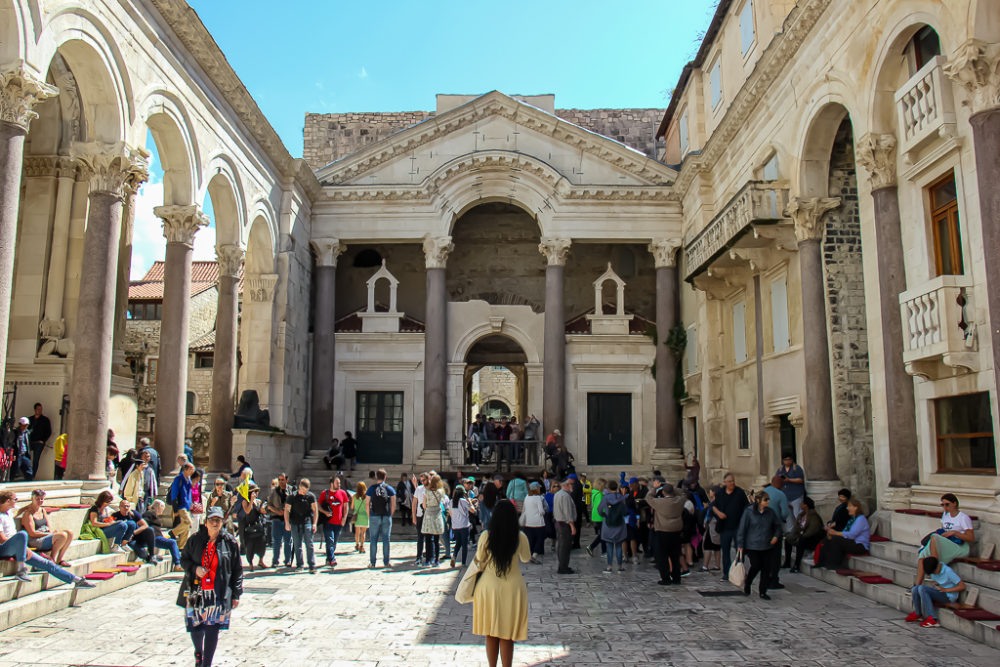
[500, 602]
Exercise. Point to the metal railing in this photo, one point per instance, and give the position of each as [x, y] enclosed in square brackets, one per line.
[494, 455]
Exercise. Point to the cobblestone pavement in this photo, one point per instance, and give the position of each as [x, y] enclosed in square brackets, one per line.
[407, 616]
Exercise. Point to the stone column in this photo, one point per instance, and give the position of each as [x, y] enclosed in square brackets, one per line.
[220, 435]
[324, 342]
[53, 325]
[818, 453]
[974, 66]
[554, 379]
[436, 252]
[113, 170]
[20, 90]
[120, 367]
[180, 224]
[877, 154]
[668, 433]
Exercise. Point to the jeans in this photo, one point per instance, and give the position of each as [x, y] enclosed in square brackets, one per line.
[597, 538]
[613, 550]
[461, 543]
[804, 545]
[40, 563]
[280, 536]
[331, 532]
[726, 539]
[37, 447]
[118, 532]
[924, 598]
[485, 514]
[169, 543]
[16, 546]
[432, 547]
[27, 471]
[379, 527]
[667, 547]
[303, 533]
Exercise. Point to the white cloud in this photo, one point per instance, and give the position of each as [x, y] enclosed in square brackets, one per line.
[363, 74]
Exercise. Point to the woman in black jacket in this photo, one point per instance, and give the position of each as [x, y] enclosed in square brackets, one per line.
[212, 586]
[760, 529]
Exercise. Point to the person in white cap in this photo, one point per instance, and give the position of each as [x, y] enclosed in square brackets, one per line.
[23, 448]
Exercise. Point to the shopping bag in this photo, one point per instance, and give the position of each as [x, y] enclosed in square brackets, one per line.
[737, 574]
[467, 586]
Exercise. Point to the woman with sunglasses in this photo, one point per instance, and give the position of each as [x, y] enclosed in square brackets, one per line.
[952, 540]
[14, 544]
[759, 531]
[41, 537]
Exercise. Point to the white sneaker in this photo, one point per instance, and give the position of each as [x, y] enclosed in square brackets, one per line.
[607, 570]
[635, 561]
[117, 549]
[22, 575]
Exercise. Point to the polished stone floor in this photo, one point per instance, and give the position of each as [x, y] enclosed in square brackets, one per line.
[407, 616]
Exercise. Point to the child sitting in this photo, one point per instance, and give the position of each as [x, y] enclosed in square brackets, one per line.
[946, 589]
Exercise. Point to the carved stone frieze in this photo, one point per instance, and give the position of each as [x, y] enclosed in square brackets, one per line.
[327, 251]
[181, 223]
[260, 287]
[20, 91]
[113, 168]
[436, 251]
[555, 250]
[230, 258]
[975, 66]
[807, 215]
[664, 252]
[877, 154]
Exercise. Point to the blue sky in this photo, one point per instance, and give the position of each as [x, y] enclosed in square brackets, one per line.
[328, 56]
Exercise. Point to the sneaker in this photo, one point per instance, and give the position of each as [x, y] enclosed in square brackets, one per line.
[590, 552]
[453, 562]
[704, 569]
[534, 559]
[607, 570]
[435, 563]
[794, 570]
[685, 573]
[912, 617]
[22, 575]
[83, 583]
[333, 563]
[371, 566]
[621, 568]
[930, 622]
[118, 549]
[635, 561]
[312, 570]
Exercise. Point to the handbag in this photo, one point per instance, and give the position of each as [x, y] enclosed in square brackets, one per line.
[738, 574]
[467, 585]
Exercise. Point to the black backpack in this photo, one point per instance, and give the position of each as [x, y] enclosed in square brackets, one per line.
[616, 514]
[380, 500]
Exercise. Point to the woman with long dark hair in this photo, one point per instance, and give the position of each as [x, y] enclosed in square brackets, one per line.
[500, 602]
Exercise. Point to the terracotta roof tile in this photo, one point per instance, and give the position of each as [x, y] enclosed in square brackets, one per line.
[204, 344]
[203, 277]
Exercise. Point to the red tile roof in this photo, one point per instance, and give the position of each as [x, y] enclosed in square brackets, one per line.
[203, 277]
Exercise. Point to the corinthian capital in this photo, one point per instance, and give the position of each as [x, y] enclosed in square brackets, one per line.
[230, 259]
[664, 252]
[877, 154]
[436, 251]
[181, 223]
[117, 168]
[20, 91]
[974, 66]
[807, 215]
[327, 251]
[555, 250]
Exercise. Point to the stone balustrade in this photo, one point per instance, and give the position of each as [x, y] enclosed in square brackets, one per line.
[925, 106]
[935, 342]
[756, 202]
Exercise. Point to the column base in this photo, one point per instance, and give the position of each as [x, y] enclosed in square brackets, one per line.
[824, 494]
[893, 498]
[670, 462]
[433, 459]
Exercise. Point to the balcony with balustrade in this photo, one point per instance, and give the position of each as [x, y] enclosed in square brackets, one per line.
[925, 108]
[939, 330]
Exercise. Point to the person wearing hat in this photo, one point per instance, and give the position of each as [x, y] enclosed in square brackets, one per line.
[22, 449]
[212, 584]
[564, 514]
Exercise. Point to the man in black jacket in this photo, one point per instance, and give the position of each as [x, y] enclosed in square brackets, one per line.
[729, 505]
[41, 431]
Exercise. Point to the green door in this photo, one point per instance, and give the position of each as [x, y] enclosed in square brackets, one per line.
[609, 429]
[380, 427]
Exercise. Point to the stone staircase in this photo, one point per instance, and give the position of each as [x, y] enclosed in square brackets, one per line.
[25, 601]
[895, 559]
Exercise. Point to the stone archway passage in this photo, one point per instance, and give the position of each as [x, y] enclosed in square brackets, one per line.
[493, 364]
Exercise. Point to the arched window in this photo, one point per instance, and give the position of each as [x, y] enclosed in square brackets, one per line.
[922, 48]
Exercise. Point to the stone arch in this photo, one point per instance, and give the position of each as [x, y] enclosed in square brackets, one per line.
[817, 140]
[14, 35]
[94, 57]
[262, 210]
[492, 176]
[172, 132]
[983, 21]
[469, 339]
[260, 248]
[221, 182]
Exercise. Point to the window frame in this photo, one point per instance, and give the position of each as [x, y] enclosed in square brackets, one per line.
[715, 71]
[939, 438]
[152, 370]
[950, 214]
[746, 48]
[683, 133]
[744, 434]
[740, 332]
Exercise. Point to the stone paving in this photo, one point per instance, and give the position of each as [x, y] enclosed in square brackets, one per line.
[407, 616]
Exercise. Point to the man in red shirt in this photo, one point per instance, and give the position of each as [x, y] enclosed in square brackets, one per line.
[333, 506]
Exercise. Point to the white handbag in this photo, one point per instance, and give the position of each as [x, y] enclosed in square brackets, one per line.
[467, 585]
[738, 574]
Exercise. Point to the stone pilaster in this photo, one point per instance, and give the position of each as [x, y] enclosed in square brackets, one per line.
[220, 444]
[113, 170]
[555, 250]
[976, 67]
[668, 438]
[180, 224]
[818, 455]
[20, 91]
[436, 251]
[52, 328]
[877, 154]
[324, 342]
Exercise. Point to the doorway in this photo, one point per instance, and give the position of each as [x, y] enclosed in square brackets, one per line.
[380, 427]
[609, 429]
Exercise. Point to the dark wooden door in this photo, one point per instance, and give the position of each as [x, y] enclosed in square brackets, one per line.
[380, 427]
[609, 429]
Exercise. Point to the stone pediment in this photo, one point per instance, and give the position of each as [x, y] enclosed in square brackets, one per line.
[499, 132]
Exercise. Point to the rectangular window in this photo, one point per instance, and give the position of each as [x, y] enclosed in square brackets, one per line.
[740, 332]
[151, 365]
[682, 132]
[746, 27]
[204, 360]
[965, 434]
[743, 427]
[691, 350]
[770, 170]
[944, 223]
[715, 82]
[779, 314]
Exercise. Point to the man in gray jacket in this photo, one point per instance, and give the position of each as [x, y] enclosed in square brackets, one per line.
[564, 513]
[668, 523]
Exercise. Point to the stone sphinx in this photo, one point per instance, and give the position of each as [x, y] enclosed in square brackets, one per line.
[249, 415]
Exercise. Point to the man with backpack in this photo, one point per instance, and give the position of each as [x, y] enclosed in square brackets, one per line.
[380, 501]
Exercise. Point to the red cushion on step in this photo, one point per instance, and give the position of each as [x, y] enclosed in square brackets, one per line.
[76, 506]
[989, 565]
[914, 512]
[845, 571]
[977, 615]
[878, 538]
[99, 576]
[875, 580]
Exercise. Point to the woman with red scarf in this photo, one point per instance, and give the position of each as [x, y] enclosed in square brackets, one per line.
[212, 586]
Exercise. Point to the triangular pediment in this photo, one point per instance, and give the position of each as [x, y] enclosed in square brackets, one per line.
[509, 131]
